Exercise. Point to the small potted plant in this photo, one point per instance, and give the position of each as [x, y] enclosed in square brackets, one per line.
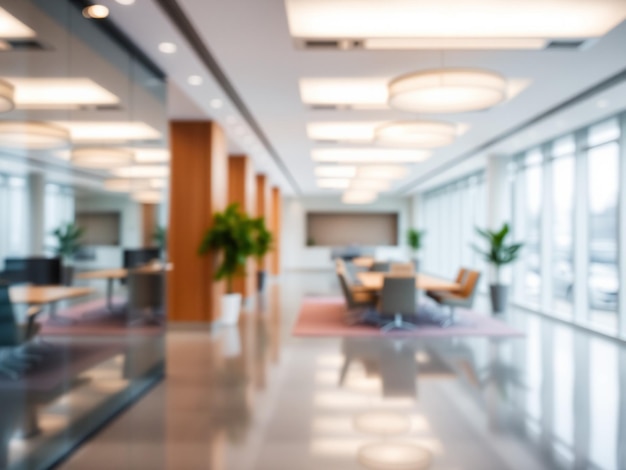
[68, 242]
[160, 239]
[499, 253]
[232, 238]
[262, 246]
[414, 240]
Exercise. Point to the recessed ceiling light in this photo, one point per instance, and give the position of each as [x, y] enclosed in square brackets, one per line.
[125, 2]
[454, 43]
[354, 19]
[335, 171]
[142, 171]
[358, 196]
[216, 103]
[96, 12]
[167, 47]
[12, 28]
[33, 135]
[101, 158]
[333, 183]
[420, 134]
[369, 155]
[59, 93]
[602, 104]
[195, 80]
[109, 131]
[450, 90]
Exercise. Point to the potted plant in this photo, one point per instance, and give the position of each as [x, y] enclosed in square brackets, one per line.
[160, 239]
[68, 242]
[498, 254]
[231, 237]
[262, 246]
[414, 240]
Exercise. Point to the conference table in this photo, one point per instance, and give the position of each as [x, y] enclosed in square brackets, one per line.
[111, 275]
[47, 295]
[374, 281]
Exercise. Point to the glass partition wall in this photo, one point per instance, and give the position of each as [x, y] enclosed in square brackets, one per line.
[79, 106]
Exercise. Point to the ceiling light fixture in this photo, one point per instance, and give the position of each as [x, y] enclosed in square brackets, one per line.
[122, 185]
[454, 43]
[335, 171]
[142, 171]
[7, 93]
[451, 90]
[373, 185]
[96, 12]
[32, 135]
[333, 183]
[216, 103]
[381, 172]
[357, 196]
[109, 131]
[148, 197]
[420, 134]
[369, 155]
[195, 80]
[12, 28]
[151, 155]
[101, 158]
[125, 2]
[370, 93]
[167, 47]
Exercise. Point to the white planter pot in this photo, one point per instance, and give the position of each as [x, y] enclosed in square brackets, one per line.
[231, 306]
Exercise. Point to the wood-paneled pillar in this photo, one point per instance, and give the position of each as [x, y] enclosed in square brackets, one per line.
[148, 224]
[276, 227]
[198, 189]
[264, 209]
[241, 190]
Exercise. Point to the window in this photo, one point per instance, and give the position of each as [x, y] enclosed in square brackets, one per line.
[531, 185]
[59, 204]
[13, 215]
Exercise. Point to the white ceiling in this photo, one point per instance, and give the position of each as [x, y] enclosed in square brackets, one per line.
[252, 44]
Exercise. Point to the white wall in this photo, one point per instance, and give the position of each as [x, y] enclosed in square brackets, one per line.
[111, 256]
[297, 256]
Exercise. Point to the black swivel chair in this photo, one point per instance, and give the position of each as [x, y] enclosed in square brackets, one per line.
[39, 271]
[15, 355]
[139, 257]
[398, 298]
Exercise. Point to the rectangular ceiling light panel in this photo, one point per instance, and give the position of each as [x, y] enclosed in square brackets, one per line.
[335, 171]
[12, 28]
[453, 43]
[363, 19]
[59, 93]
[109, 131]
[333, 183]
[369, 155]
[360, 132]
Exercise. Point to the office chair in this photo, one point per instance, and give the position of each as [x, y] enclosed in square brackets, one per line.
[398, 298]
[39, 271]
[460, 279]
[464, 297]
[133, 258]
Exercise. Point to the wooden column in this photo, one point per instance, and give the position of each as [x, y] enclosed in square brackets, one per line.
[148, 224]
[264, 208]
[241, 190]
[198, 189]
[276, 224]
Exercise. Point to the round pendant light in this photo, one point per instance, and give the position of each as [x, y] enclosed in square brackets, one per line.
[148, 197]
[33, 135]
[447, 91]
[6, 97]
[394, 456]
[420, 134]
[101, 158]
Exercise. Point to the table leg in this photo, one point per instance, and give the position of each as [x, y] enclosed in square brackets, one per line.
[55, 318]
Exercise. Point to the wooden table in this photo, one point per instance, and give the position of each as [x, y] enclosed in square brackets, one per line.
[363, 262]
[111, 275]
[374, 281]
[46, 295]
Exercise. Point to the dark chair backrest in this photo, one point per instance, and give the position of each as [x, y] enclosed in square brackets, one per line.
[9, 334]
[146, 290]
[380, 266]
[39, 271]
[138, 257]
[398, 295]
[345, 288]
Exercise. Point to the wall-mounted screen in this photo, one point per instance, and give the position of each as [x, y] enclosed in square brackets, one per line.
[352, 228]
[101, 228]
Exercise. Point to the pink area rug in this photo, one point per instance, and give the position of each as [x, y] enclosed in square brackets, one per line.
[93, 318]
[326, 317]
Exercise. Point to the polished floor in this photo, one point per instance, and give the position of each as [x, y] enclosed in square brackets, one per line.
[259, 399]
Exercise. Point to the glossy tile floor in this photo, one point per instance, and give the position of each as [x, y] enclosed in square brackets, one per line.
[258, 398]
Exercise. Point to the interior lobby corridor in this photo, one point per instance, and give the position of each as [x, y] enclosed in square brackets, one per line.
[258, 398]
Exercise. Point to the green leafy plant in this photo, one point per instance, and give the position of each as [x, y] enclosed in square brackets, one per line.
[232, 237]
[499, 252]
[262, 238]
[414, 239]
[68, 240]
[160, 237]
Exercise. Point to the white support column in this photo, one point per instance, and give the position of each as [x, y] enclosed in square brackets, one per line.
[36, 213]
[622, 231]
[547, 209]
[498, 201]
[581, 231]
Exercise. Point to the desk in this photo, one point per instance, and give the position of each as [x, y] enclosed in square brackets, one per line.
[374, 281]
[46, 295]
[111, 275]
[363, 262]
